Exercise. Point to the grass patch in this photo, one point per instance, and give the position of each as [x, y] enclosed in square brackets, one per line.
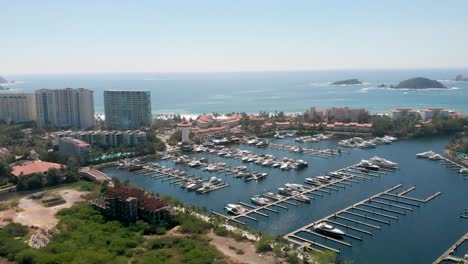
[190, 224]
[194, 249]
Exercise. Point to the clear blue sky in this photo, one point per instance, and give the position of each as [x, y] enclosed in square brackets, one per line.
[222, 35]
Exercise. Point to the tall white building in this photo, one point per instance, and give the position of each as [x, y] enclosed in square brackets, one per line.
[17, 107]
[65, 108]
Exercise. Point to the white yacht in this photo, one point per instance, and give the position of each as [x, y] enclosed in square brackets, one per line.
[464, 170]
[258, 200]
[295, 186]
[312, 181]
[368, 165]
[328, 229]
[426, 154]
[267, 162]
[275, 195]
[436, 157]
[234, 209]
[383, 162]
[214, 181]
[324, 178]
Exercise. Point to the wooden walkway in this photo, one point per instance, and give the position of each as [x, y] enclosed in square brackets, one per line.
[448, 254]
[363, 219]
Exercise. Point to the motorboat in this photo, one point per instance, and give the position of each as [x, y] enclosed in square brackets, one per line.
[368, 165]
[383, 162]
[194, 186]
[324, 178]
[325, 228]
[436, 157]
[389, 138]
[464, 170]
[301, 197]
[312, 181]
[301, 164]
[253, 141]
[426, 154]
[297, 150]
[214, 181]
[258, 200]
[267, 162]
[205, 187]
[261, 144]
[295, 186]
[235, 209]
[285, 191]
[285, 166]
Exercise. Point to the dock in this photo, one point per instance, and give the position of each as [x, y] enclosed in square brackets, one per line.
[358, 218]
[447, 255]
[321, 153]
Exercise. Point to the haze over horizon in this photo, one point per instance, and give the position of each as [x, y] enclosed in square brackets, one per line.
[208, 36]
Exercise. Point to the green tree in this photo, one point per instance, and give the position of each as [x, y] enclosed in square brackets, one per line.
[52, 177]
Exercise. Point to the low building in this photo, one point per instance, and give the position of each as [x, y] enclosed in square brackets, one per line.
[230, 121]
[430, 113]
[212, 132]
[34, 167]
[130, 205]
[105, 138]
[402, 112]
[205, 121]
[74, 147]
[256, 118]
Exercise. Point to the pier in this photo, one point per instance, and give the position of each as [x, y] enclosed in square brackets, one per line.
[357, 214]
[340, 179]
[448, 254]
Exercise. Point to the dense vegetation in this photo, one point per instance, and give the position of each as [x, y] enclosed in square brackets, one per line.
[12, 240]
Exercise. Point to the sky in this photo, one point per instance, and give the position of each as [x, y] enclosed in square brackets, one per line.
[84, 36]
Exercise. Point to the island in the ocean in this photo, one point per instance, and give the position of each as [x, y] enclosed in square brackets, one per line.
[419, 83]
[461, 78]
[382, 86]
[347, 82]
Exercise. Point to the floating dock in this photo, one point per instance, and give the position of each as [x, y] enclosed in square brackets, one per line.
[448, 254]
[358, 218]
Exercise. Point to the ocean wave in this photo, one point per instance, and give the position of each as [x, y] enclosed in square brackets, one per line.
[366, 89]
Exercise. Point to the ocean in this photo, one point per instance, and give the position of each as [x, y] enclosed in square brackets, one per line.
[251, 92]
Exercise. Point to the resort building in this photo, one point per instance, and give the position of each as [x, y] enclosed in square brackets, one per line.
[130, 205]
[346, 114]
[315, 114]
[209, 133]
[17, 107]
[205, 121]
[401, 112]
[430, 113]
[126, 110]
[230, 121]
[74, 147]
[65, 108]
[34, 167]
[105, 138]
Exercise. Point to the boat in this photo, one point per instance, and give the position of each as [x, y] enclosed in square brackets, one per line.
[214, 181]
[368, 165]
[275, 195]
[324, 178]
[295, 186]
[276, 165]
[285, 191]
[234, 209]
[436, 157]
[383, 162]
[464, 170]
[194, 186]
[205, 187]
[258, 200]
[312, 181]
[426, 154]
[325, 228]
[389, 138]
[285, 166]
[301, 197]
[261, 144]
[297, 150]
[267, 162]
[301, 164]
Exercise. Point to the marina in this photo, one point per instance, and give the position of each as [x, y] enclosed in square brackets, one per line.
[448, 255]
[371, 219]
[420, 176]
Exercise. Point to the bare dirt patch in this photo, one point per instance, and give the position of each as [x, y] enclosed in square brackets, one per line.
[240, 251]
[32, 213]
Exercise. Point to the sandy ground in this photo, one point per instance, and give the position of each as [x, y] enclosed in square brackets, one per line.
[32, 213]
[249, 256]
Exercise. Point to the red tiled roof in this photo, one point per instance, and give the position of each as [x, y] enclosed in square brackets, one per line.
[34, 167]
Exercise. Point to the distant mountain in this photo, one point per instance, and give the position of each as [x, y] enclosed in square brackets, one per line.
[460, 78]
[419, 83]
[3, 80]
[347, 82]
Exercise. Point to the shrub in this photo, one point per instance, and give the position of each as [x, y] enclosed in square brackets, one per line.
[263, 245]
[192, 225]
[221, 231]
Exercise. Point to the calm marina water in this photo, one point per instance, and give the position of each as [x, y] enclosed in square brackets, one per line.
[418, 237]
[268, 91]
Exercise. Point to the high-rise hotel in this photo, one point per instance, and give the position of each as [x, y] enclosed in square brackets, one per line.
[127, 109]
[17, 107]
[65, 108]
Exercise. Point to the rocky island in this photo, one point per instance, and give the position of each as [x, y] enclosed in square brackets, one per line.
[347, 82]
[419, 83]
[461, 78]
